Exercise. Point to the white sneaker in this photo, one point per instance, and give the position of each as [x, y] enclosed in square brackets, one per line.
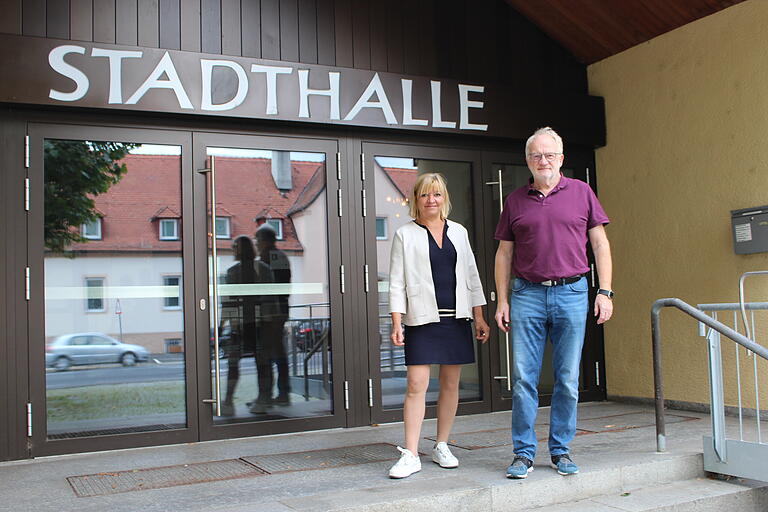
[406, 466]
[442, 455]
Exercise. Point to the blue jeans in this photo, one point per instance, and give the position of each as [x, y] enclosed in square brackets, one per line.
[538, 312]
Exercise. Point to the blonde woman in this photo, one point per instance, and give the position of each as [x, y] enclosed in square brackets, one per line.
[434, 292]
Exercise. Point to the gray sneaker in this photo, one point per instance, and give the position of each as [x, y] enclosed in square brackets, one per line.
[564, 465]
[520, 467]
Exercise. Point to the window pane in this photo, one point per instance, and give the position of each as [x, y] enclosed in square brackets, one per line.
[92, 230]
[381, 228]
[104, 318]
[168, 229]
[222, 227]
[172, 302]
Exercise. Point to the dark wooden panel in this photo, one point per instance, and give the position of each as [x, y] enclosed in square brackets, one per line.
[425, 14]
[593, 30]
[190, 25]
[104, 21]
[458, 38]
[210, 16]
[149, 23]
[343, 33]
[57, 19]
[170, 24]
[379, 27]
[231, 43]
[251, 28]
[33, 18]
[326, 33]
[10, 21]
[127, 22]
[479, 43]
[411, 40]
[395, 58]
[270, 29]
[81, 20]
[308, 31]
[289, 30]
[361, 34]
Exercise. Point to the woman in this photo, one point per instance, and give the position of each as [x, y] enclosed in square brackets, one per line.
[434, 290]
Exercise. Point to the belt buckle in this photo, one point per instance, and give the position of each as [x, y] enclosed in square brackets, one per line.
[548, 283]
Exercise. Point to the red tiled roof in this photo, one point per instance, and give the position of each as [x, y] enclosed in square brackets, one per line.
[403, 179]
[151, 189]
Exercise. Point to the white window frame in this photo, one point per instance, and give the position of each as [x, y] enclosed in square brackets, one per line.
[174, 223]
[91, 236]
[87, 287]
[165, 299]
[228, 234]
[277, 227]
[386, 228]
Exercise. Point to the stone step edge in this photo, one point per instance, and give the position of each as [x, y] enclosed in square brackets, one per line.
[441, 494]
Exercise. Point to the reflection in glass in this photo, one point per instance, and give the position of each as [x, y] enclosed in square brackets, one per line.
[512, 178]
[394, 180]
[113, 319]
[272, 281]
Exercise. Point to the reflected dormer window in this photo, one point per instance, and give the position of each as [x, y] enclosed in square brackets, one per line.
[169, 229]
[91, 230]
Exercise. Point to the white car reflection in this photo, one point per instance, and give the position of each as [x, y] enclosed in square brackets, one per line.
[91, 348]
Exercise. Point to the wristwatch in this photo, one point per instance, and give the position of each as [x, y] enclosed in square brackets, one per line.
[607, 293]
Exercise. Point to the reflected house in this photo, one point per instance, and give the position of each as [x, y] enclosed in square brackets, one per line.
[126, 279]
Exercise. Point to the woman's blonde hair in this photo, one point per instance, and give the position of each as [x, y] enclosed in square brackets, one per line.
[430, 182]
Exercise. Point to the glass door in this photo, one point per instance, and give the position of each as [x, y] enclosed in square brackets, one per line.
[109, 313]
[269, 317]
[390, 172]
[505, 172]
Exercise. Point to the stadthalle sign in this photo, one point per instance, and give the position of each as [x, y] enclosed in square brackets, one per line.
[68, 73]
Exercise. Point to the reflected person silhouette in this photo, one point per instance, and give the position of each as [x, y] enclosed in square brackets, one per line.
[238, 329]
[274, 314]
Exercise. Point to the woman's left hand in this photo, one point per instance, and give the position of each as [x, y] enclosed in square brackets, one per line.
[482, 331]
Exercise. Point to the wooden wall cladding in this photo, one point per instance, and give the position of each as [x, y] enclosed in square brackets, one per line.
[485, 41]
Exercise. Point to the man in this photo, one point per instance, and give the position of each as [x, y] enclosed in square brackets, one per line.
[542, 233]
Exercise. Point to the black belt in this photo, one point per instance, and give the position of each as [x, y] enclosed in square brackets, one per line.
[561, 281]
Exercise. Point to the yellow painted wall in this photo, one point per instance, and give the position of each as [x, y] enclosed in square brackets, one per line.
[687, 141]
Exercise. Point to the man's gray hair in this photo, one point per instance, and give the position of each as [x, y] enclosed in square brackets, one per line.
[545, 131]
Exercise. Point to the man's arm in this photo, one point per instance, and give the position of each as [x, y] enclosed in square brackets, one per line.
[602, 251]
[503, 268]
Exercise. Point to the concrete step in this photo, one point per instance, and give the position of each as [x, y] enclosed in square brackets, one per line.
[475, 488]
[695, 495]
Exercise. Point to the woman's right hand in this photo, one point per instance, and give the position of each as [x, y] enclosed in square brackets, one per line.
[397, 336]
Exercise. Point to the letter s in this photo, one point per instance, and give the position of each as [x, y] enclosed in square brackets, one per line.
[56, 60]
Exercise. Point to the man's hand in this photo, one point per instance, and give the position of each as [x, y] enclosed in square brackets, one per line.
[397, 336]
[603, 308]
[502, 316]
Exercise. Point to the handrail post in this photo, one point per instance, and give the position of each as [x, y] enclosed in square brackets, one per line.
[658, 380]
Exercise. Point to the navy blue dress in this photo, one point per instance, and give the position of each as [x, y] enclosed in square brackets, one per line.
[448, 341]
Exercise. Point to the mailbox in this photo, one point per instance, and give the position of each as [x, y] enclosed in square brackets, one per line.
[750, 230]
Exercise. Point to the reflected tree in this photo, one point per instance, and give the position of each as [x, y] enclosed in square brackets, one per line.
[75, 173]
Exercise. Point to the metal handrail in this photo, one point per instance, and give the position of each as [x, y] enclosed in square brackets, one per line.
[661, 438]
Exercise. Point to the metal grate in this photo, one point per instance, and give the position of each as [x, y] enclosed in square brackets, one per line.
[114, 431]
[101, 484]
[324, 459]
[628, 421]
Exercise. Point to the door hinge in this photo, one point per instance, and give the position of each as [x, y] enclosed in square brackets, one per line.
[365, 274]
[365, 210]
[29, 419]
[370, 392]
[338, 194]
[26, 151]
[592, 273]
[597, 373]
[362, 166]
[338, 166]
[346, 394]
[341, 278]
[26, 194]
[27, 292]
[588, 176]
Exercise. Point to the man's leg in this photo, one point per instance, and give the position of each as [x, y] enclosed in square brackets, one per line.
[528, 320]
[569, 317]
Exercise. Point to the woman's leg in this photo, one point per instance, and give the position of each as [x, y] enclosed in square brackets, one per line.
[415, 404]
[448, 400]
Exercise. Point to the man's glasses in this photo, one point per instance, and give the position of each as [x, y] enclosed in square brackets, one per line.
[549, 157]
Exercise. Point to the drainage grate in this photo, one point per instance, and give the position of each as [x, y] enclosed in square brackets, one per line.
[101, 484]
[114, 431]
[324, 459]
[628, 421]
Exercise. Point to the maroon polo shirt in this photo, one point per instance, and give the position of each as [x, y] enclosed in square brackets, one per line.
[550, 232]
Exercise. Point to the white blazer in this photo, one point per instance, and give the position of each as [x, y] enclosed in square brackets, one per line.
[411, 288]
